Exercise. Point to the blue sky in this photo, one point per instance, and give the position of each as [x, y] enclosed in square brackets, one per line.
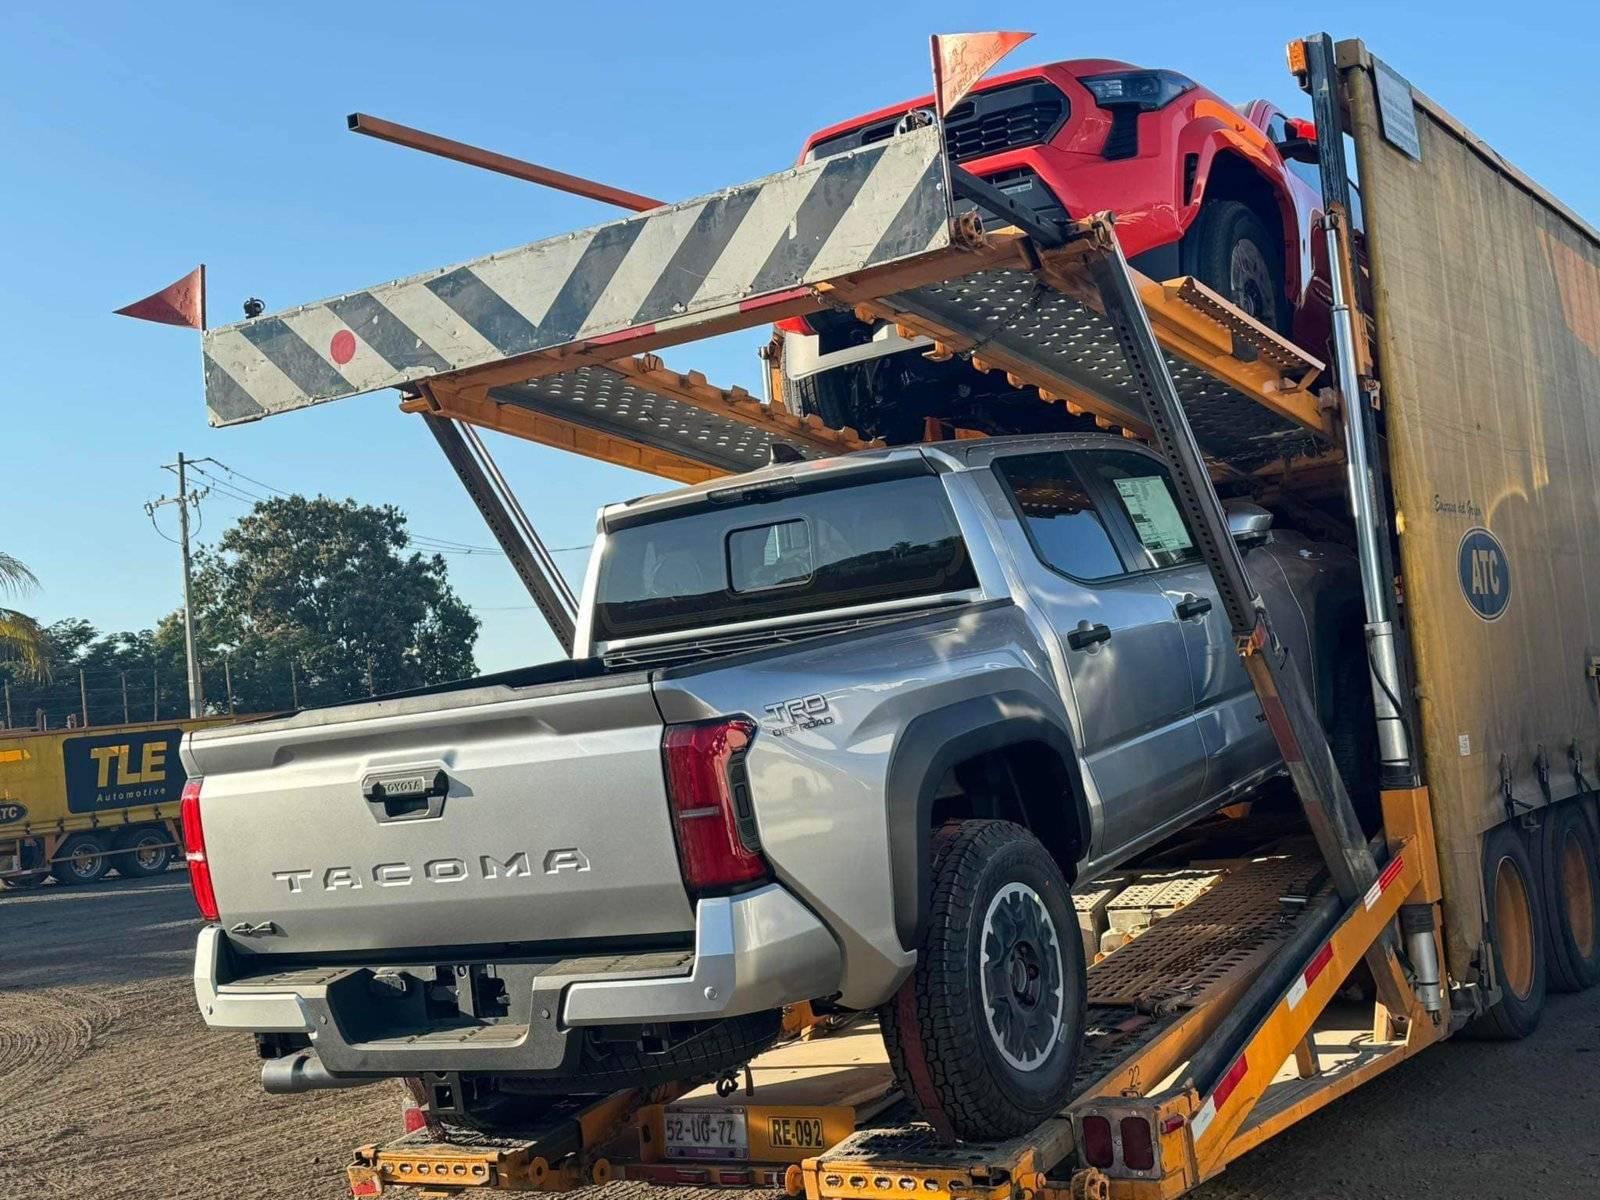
[139, 140]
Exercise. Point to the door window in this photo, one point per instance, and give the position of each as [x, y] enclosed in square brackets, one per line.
[1141, 487]
[1066, 531]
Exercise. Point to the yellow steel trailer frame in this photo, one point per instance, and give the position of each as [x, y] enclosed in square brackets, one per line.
[1152, 1005]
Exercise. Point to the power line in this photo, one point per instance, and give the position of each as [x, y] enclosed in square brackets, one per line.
[243, 495]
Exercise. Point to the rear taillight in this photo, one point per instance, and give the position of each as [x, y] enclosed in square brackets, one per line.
[710, 798]
[794, 325]
[1138, 1146]
[194, 850]
[1097, 1149]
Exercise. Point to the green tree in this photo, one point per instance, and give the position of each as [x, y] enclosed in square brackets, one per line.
[22, 641]
[331, 587]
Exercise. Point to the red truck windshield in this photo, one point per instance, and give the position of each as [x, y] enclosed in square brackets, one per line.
[801, 552]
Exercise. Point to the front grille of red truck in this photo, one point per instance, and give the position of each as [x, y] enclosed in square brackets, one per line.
[1020, 114]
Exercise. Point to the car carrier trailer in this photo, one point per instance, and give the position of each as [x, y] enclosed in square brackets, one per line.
[1458, 413]
[76, 803]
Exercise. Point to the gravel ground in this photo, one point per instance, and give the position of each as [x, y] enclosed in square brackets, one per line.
[111, 1087]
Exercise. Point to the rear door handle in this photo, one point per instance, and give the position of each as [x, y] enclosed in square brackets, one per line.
[1193, 606]
[1086, 635]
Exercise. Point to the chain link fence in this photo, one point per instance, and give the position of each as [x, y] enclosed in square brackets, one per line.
[87, 698]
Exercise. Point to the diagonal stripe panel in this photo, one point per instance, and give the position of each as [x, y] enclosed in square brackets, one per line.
[287, 350]
[589, 280]
[825, 208]
[480, 306]
[842, 214]
[400, 346]
[685, 273]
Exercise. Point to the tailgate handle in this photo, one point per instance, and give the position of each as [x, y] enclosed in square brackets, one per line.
[406, 793]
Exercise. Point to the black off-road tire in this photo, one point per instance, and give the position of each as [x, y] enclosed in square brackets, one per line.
[1516, 938]
[825, 395]
[943, 1037]
[150, 843]
[1571, 862]
[721, 1047]
[82, 858]
[1227, 227]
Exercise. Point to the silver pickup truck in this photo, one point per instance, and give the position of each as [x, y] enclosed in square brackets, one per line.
[842, 731]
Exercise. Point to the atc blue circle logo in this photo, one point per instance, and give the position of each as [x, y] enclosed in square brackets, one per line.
[11, 813]
[1485, 573]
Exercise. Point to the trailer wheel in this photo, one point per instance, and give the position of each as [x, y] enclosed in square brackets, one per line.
[143, 853]
[984, 1036]
[1230, 251]
[1572, 899]
[35, 872]
[1516, 921]
[83, 858]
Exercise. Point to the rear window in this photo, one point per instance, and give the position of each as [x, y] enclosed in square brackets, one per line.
[805, 552]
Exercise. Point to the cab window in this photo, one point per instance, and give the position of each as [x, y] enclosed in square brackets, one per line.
[1059, 515]
[1142, 488]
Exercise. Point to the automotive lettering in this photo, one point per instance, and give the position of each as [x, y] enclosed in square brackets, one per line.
[122, 770]
[802, 712]
[345, 878]
[514, 867]
[569, 859]
[445, 870]
[295, 879]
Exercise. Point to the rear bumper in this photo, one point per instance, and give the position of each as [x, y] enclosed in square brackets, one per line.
[753, 952]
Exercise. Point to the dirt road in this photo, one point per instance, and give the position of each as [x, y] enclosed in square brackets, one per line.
[110, 1087]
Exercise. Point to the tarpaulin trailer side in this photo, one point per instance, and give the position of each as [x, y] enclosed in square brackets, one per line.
[1487, 306]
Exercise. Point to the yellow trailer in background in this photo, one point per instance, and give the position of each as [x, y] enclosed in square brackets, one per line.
[76, 803]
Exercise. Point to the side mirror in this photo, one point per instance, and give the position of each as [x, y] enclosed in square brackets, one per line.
[1298, 150]
[1248, 523]
[1300, 140]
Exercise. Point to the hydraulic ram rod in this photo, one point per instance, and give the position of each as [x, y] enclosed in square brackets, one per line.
[1367, 501]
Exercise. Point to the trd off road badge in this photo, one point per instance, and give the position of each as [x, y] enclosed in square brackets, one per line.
[1485, 573]
[803, 712]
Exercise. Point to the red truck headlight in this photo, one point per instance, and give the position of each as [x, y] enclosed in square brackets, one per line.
[194, 851]
[710, 798]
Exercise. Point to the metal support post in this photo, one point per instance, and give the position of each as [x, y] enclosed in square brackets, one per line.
[1397, 760]
[509, 524]
[1285, 699]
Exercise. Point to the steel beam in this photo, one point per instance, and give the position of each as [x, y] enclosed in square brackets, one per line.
[510, 525]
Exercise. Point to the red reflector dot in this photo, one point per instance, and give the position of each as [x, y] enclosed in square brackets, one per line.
[343, 346]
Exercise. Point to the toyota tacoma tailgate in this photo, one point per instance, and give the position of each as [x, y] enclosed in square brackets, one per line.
[482, 815]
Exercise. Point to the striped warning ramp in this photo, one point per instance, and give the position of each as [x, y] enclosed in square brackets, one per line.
[688, 261]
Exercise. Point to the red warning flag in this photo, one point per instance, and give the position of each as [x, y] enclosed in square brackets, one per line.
[961, 59]
[180, 303]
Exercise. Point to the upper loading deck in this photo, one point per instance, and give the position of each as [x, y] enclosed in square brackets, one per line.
[554, 342]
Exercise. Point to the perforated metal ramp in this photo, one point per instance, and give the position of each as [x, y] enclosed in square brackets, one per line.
[1062, 343]
[606, 401]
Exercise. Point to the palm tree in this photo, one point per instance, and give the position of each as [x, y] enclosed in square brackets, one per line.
[21, 637]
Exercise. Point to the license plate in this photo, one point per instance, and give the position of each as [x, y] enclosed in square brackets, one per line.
[717, 1133]
[796, 1133]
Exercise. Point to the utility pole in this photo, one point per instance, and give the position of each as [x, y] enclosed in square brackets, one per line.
[8, 704]
[185, 499]
[83, 697]
[126, 720]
